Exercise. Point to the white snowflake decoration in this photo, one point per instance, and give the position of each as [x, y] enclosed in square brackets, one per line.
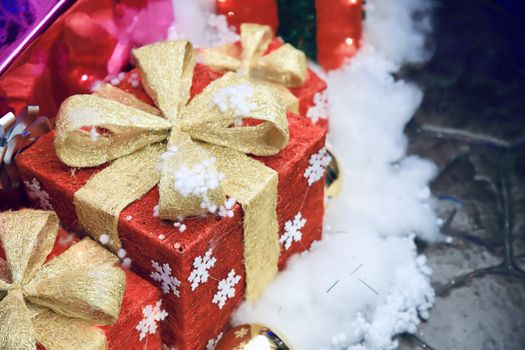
[226, 289]
[241, 333]
[320, 108]
[201, 265]
[292, 231]
[152, 315]
[163, 274]
[212, 343]
[37, 194]
[318, 163]
[235, 99]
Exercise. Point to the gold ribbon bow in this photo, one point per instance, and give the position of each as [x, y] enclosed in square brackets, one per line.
[284, 67]
[15, 135]
[132, 134]
[56, 304]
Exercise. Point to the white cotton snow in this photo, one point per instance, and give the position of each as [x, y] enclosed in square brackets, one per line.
[364, 282]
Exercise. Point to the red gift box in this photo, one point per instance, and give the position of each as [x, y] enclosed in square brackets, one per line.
[199, 308]
[139, 294]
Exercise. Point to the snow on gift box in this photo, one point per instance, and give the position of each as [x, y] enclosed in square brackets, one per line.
[213, 251]
[65, 294]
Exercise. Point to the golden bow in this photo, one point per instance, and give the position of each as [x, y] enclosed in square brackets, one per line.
[132, 134]
[285, 66]
[56, 304]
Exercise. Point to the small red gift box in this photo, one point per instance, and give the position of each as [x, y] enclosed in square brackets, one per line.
[140, 299]
[198, 263]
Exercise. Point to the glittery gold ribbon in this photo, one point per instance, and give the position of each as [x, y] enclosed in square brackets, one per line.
[56, 304]
[134, 136]
[284, 67]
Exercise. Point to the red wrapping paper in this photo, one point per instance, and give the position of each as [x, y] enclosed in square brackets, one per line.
[138, 294]
[258, 11]
[193, 319]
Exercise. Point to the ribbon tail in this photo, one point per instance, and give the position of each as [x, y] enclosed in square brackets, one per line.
[16, 328]
[253, 185]
[55, 332]
[98, 204]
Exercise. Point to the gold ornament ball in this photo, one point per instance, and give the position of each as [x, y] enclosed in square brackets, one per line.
[334, 177]
[252, 336]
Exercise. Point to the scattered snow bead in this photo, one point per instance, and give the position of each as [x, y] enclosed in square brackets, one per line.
[115, 81]
[121, 75]
[151, 316]
[162, 237]
[182, 228]
[93, 134]
[448, 240]
[176, 245]
[103, 239]
[163, 274]
[424, 193]
[235, 99]
[226, 210]
[317, 166]
[226, 289]
[320, 108]
[156, 211]
[440, 221]
[201, 265]
[126, 263]
[198, 180]
[121, 253]
[292, 231]
[129, 218]
[176, 224]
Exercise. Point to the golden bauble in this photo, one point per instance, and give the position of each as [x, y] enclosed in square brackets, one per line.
[252, 336]
[334, 177]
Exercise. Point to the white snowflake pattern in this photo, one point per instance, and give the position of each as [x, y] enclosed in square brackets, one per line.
[163, 274]
[213, 342]
[201, 265]
[320, 108]
[152, 315]
[37, 194]
[318, 163]
[241, 333]
[292, 231]
[226, 289]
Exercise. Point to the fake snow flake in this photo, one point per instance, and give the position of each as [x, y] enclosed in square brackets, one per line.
[37, 194]
[103, 239]
[156, 211]
[226, 210]
[212, 343]
[292, 231]
[93, 134]
[128, 218]
[152, 315]
[182, 227]
[201, 265]
[218, 32]
[226, 289]
[235, 99]
[163, 274]
[163, 161]
[318, 163]
[198, 180]
[320, 108]
[126, 263]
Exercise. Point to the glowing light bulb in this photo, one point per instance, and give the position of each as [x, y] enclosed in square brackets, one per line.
[84, 77]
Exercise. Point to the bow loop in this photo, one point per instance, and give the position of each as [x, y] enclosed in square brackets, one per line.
[92, 130]
[166, 69]
[255, 39]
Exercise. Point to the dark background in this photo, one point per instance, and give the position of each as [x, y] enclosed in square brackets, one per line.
[472, 125]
